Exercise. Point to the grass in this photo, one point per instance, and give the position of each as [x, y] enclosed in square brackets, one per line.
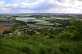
[38, 44]
[44, 26]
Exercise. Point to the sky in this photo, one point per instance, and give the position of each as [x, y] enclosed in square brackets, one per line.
[40, 6]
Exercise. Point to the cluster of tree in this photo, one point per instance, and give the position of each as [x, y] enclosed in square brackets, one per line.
[72, 32]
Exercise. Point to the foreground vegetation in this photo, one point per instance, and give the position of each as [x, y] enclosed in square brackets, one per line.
[67, 40]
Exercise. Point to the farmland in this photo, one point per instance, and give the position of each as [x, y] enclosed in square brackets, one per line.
[61, 37]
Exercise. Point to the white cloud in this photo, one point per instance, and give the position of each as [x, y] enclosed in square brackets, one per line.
[67, 6]
[2, 3]
[52, 6]
[3, 9]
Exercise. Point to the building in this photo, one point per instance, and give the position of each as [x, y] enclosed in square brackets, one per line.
[25, 19]
[43, 22]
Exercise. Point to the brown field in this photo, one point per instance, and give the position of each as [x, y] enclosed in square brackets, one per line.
[3, 28]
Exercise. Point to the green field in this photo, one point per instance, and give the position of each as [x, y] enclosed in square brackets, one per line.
[44, 26]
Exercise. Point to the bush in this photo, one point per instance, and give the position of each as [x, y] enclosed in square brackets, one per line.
[7, 32]
[27, 50]
[66, 35]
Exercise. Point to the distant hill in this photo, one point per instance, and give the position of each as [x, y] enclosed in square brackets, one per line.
[45, 14]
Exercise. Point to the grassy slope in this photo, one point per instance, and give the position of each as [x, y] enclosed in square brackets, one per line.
[38, 44]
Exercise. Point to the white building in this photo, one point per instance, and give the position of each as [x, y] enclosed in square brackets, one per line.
[26, 19]
[43, 22]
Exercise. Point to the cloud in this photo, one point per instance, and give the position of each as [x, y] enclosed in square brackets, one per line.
[66, 6]
[3, 8]
[41, 6]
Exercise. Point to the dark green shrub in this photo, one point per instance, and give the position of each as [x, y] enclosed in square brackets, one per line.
[66, 35]
[7, 32]
[27, 50]
[42, 51]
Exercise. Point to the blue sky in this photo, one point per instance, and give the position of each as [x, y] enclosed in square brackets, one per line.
[40, 6]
